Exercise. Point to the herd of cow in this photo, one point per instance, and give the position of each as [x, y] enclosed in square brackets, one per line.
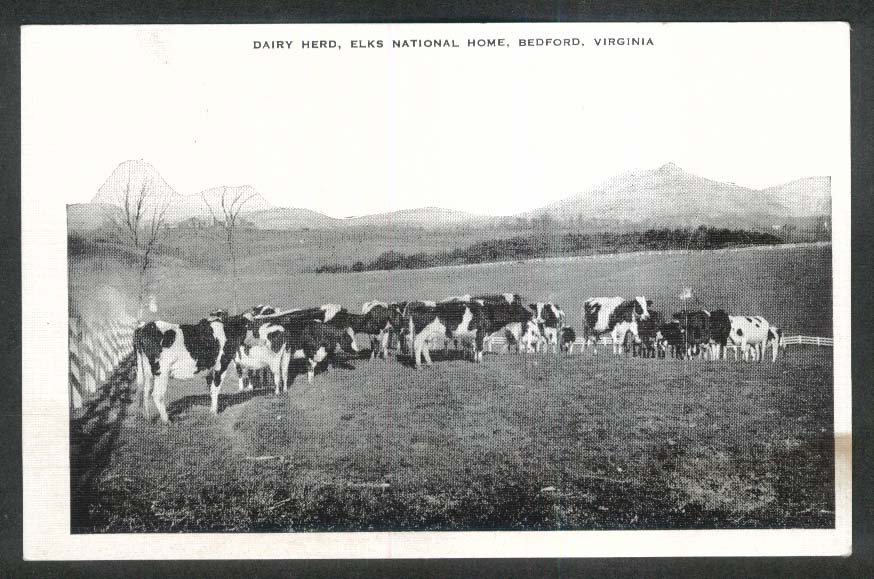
[293, 341]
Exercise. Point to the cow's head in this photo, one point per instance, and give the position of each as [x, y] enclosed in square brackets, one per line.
[641, 308]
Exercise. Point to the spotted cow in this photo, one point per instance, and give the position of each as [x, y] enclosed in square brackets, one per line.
[615, 316]
[165, 350]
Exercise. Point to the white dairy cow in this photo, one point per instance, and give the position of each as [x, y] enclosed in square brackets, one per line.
[616, 316]
[751, 334]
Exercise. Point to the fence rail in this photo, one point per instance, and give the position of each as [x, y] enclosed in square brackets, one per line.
[499, 341]
[97, 347]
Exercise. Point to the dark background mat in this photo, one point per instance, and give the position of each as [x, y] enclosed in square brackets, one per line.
[859, 14]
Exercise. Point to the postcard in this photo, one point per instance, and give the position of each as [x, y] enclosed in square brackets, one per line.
[467, 290]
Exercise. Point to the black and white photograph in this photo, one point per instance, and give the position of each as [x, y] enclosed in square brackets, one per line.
[436, 290]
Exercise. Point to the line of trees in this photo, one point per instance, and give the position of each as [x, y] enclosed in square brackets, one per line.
[563, 244]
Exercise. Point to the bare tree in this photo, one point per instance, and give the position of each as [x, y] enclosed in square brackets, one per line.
[228, 216]
[140, 224]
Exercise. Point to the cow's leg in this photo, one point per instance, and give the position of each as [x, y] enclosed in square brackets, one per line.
[417, 353]
[148, 384]
[277, 382]
[215, 386]
[159, 394]
[140, 378]
[284, 361]
[426, 351]
[242, 374]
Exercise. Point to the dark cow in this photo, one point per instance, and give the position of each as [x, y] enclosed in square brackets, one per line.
[616, 316]
[427, 323]
[648, 332]
[696, 326]
[720, 332]
[165, 350]
[705, 332]
[568, 339]
[673, 340]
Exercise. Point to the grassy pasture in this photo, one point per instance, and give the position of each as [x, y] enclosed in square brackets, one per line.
[535, 442]
[532, 441]
[790, 286]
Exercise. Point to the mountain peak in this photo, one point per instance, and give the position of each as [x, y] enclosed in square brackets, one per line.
[670, 167]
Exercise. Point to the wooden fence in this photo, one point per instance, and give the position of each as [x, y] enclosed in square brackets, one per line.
[500, 341]
[97, 347]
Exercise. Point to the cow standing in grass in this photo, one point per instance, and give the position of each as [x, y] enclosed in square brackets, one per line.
[615, 316]
[750, 334]
[550, 319]
[775, 339]
[264, 350]
[165, 350]
[313, 334]
[673, 340]
[507, 314]
[649, 334]
[427, 323]
[312, 342]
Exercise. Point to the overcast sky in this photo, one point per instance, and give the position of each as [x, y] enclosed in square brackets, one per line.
[495, 131]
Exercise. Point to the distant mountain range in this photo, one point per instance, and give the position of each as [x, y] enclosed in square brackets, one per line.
[667, 196]
[671, 196]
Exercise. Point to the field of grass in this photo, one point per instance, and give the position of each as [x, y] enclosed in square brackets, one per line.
[535, 442]
[790, 286]
[517, 442]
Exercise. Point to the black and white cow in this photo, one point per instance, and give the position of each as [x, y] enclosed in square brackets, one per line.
[264, 350]
[164, 350]
[245, 374]
[550, 319]
[313, 342]
[750, 334]
[426, 324]
[506, 314]
[303, 315]
[568, 339]
[615, 316]
[775, 339]
[263, 310]
[379, 321]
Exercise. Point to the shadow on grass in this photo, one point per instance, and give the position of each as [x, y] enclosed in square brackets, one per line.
[186, 403]
[438, 356]
[94, 431]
